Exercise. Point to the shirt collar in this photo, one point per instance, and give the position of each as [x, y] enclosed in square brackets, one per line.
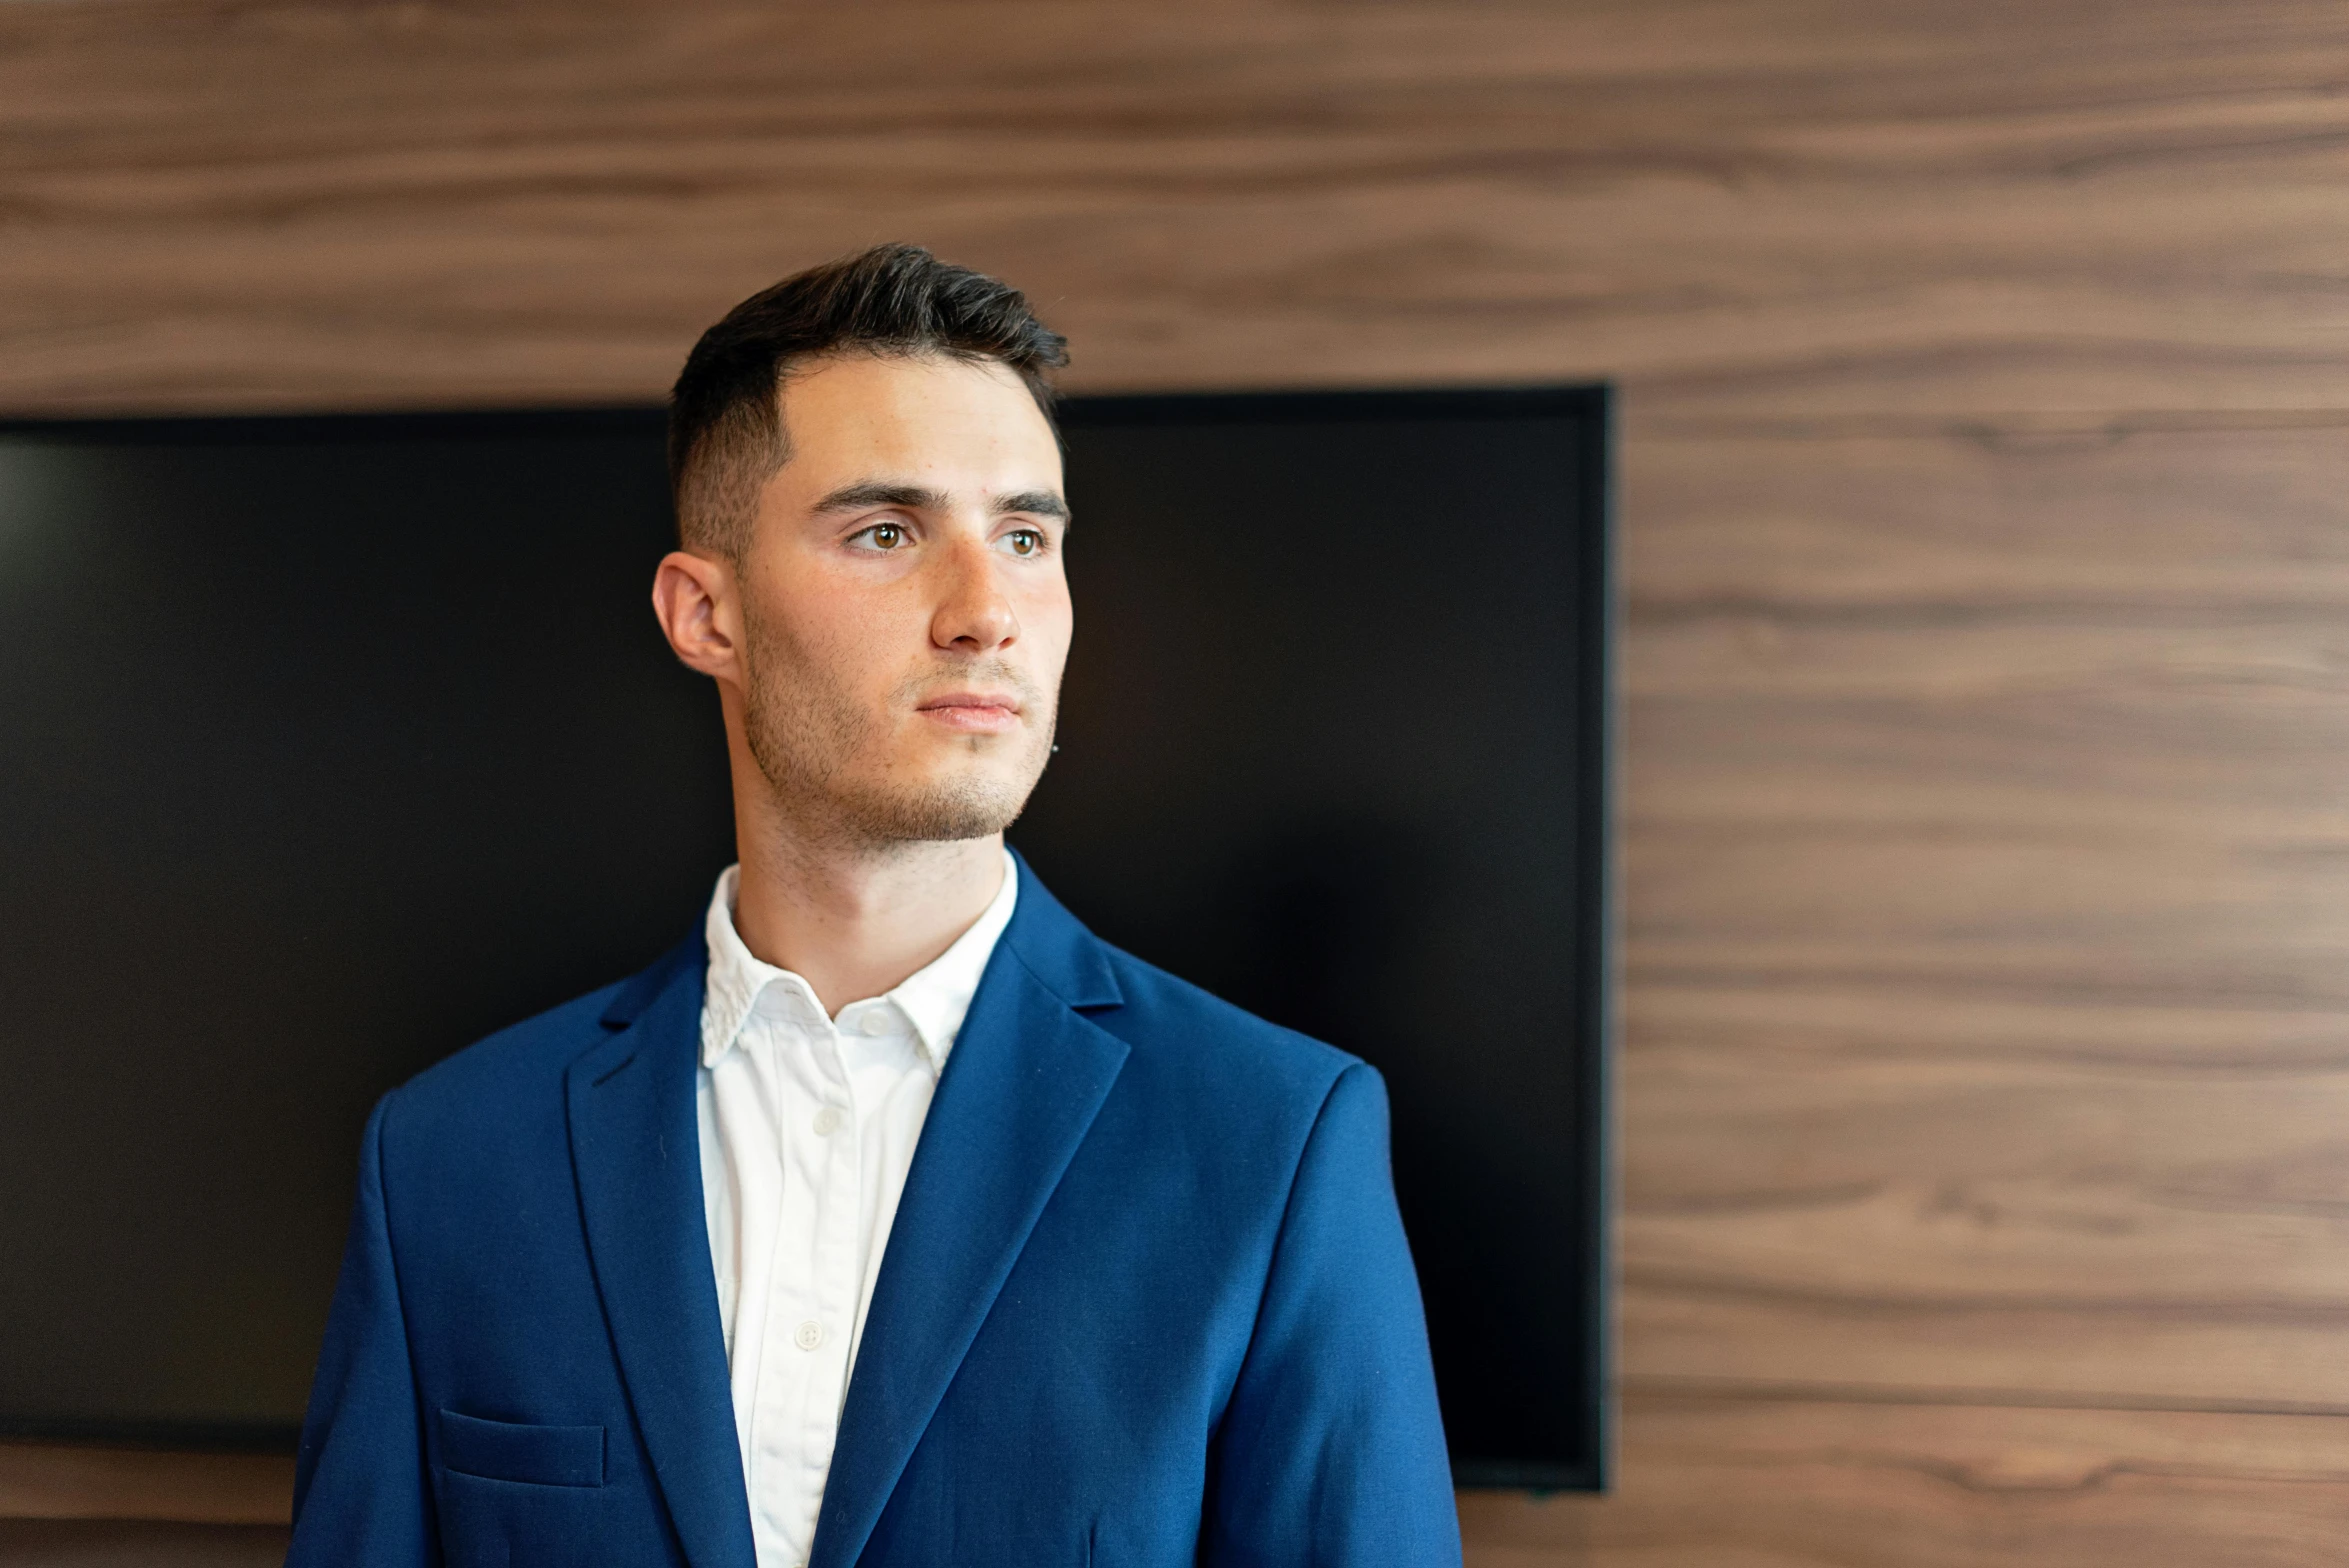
[934, 999]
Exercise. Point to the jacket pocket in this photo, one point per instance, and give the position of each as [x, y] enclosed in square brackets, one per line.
[514, 1451]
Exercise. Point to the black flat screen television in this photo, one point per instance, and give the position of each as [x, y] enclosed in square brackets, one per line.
[329, 744]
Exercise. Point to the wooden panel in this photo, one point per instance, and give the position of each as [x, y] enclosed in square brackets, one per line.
[1988, 658]
[1741, 205]
[1714, 1481]
[1710, 1482]
[1988, 868]
[1706, 1480]
[50, 1481]
[87, 1543]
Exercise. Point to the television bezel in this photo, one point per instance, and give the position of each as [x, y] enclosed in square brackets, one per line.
[1589, 407]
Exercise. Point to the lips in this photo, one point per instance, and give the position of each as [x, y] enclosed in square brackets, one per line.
[972, 712]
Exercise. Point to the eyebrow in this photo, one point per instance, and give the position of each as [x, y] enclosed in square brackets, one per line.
[882, 492]
[1043, 503]
[921, 498]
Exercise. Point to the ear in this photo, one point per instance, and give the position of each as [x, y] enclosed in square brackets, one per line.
[694, 599]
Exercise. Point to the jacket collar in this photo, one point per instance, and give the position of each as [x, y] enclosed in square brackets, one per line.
[636, 1157]
[1027, 1077]
[1065, 958]
[1054, 946]
[1028, 1074]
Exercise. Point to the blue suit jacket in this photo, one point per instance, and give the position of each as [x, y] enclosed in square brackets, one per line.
[1146, 1301]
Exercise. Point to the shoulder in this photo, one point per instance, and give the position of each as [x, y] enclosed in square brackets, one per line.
[510, 1082]
[1180, 1032]
[522, 1052]
[1190, 1048]
[1232, 1112]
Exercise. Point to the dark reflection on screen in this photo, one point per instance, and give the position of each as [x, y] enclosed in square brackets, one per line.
[332, 745]
[331, 748]
[1327, 748]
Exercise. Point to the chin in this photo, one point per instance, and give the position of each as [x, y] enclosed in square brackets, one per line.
[939, 809]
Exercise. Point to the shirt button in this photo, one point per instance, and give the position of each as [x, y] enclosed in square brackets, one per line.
[827, 1121]
[809, 1336]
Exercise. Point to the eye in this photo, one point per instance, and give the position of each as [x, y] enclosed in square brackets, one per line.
[1024, 541]
[883, 536]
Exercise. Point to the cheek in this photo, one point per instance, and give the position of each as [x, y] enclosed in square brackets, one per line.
[835, 629]
[1048, 619]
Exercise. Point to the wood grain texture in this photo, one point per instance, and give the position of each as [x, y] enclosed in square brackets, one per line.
[116, 1543]
[1749, 205]
[58, 1481]
[1985, 1093]
[1988, 861]
[1774, 1483]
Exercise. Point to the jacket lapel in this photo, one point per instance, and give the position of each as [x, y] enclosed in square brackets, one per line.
[1027, 1075]
[635, 1149]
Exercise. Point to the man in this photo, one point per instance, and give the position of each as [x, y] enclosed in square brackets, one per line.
[892, 1218]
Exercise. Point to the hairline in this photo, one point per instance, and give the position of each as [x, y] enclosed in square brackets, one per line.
[732, 538]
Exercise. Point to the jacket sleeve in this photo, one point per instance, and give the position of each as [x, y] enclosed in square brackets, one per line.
[1331, 1451]
[361, 1494]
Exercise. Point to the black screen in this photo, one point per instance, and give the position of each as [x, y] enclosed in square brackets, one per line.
[333, 744]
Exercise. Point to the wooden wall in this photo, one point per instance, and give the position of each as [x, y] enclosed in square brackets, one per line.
[1985, 1091]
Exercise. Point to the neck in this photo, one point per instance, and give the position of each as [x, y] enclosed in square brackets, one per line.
[853, 920]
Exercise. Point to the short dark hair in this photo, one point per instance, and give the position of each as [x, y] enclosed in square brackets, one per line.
[726, 435]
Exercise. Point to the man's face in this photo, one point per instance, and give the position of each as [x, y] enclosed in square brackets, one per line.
[905, 614]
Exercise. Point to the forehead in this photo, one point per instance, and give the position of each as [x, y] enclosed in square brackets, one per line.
[951, 423]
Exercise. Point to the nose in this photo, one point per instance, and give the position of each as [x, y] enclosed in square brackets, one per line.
[974, 615]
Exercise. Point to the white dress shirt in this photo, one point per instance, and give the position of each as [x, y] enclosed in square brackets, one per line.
[808, 1126]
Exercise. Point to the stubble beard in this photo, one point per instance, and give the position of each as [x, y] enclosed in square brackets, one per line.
[806, 734]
